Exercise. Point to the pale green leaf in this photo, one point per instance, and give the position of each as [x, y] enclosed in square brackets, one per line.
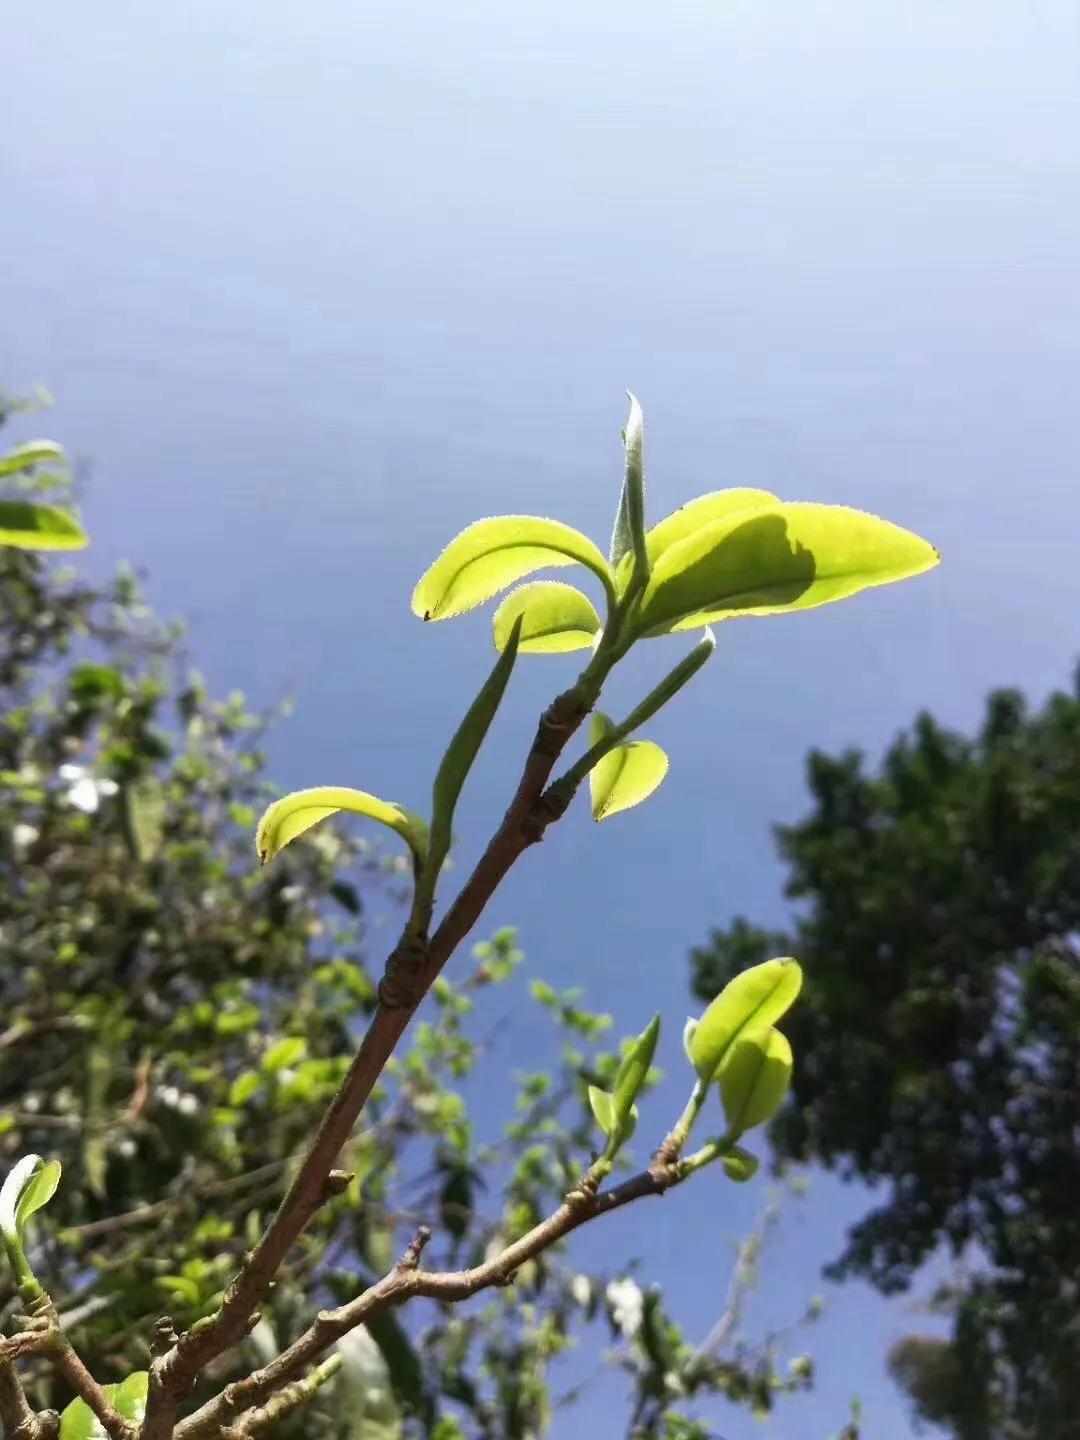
[740, 1165]
[751, 1001]
[626, 775]
[284, 1053]
[30, 526]
[600, 1104]
[555, 618]
[633, 1071]
[33, 452]
[492, 554]
[628, 536]
[694, 515]
[29, 1185]
[78, 1421]
[463, 749]
[786, 557]
[293, 814]
[754, 1078]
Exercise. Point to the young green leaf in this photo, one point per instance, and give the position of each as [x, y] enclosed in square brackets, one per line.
[555, 618]
[463, 750]
[144, 816]
[754, 1078]
[781, 558]
[78, 1421]
[492, 554]
[30, 1184]
[627, 774]
[26, 456]
[30, 526]
[633, 1071]
[293, 814]
[693, 516]
[752, 1001]
[600, 1105]
[628, 537]
[739, 1165]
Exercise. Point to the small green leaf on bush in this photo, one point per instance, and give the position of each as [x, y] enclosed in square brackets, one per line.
[33, 452]
[492, 554]
[784, 557]
[752, 1001]
[555, 618]
[144, 816]
[633, 1070]
[28, 525]
[627, 775]
[293, 814]
[694, 515]
[78, 1421]
[284, 1053]
[739, 1165]
[754, 1078]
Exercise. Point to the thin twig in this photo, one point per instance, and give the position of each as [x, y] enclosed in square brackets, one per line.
[407, 1280]
[412, 968]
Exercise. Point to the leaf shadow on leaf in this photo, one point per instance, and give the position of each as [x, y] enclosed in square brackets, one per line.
[789, 566]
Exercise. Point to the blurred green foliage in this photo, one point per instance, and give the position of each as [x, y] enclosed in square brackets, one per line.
[938, 1044]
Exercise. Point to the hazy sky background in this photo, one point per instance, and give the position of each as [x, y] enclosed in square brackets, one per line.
[316, 285]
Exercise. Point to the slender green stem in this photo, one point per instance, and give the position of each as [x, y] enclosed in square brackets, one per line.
[681, 1131]
[566, 786]
[714, 1150]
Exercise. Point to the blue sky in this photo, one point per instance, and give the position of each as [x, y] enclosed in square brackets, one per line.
[317, 285]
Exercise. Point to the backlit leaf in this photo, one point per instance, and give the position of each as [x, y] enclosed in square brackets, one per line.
[633, 1070]
[33, 452]
[555, 618]
[144, 816]
[627, 775]
[785, 557]
[293, 814]
[740, 1165]
[31, 526]
[694, 515]
[600, 1104]
[751, 1001]
[78, 1421]
[492, 554]
[29, 1185]
[628, 536]
[754, 1078]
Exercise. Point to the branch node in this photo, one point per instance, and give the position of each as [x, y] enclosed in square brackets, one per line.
[402, 985]
[411, 1258]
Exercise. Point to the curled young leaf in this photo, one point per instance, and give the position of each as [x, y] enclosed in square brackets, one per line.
[492, 554]
[30, 1184]
[752, 1001]
[693, 516]
[29, 454]
[739, 1165]
[463, 749]
[555, 618]
[27, 525]
[633, 1071]
[627, 774]
[293, 814]
[628, 537]
[781, 558]
[600, 1105]
[754, 1078]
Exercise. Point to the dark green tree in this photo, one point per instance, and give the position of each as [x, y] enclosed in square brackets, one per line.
[938, 918]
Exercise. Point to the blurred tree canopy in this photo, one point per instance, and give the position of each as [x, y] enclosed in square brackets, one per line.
[938, 918]
[174, 1019]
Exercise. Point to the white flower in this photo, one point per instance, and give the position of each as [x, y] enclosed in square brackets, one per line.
[627, 1305]
[581, 1290]
[23, 836]
[84, 792]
